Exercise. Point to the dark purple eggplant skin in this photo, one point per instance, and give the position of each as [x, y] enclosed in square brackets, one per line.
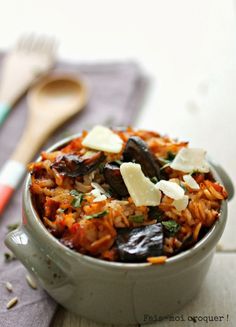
[72, 165]
[137, 244]
[112, 175]
[155, 213]
[136, 150]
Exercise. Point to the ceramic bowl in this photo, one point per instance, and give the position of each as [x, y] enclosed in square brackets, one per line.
[112, 292]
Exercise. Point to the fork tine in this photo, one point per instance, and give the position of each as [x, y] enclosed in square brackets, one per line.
[55, 45]
[39, 43]
[21, 43]
[32, 43]
[47, 45]
[26, 43]
[52, 46]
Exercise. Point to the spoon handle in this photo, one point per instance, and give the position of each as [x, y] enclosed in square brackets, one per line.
[10, 176]
[14, 169]
[4, 111]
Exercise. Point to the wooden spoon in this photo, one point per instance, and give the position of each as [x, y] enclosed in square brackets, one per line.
[52, 101]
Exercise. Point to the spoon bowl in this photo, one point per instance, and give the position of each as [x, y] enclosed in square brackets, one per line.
[59, 93]
[52, 101]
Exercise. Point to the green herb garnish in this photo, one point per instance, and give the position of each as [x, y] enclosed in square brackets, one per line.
[78, 198]
[137, 218]
[183, 187]
[155, 213]
[12, 227]
[97, 215]
[170, 156]
[74, 193]
[165, 162]
[61, 210]
[76, 202]
[110, 192]
[119, 162]
[101, 167]
[171, 226]
[154, 180]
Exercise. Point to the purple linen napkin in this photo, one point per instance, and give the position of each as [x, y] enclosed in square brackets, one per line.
[115, 94]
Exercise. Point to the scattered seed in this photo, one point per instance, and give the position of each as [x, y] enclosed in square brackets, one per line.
[9, 256]
[9, 286]
[31, 282]
[12, 302]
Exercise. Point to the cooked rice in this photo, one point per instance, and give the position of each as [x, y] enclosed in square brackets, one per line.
[96, 237]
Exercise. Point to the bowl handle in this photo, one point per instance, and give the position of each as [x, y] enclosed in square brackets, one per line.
[228, 184]
[35, 258]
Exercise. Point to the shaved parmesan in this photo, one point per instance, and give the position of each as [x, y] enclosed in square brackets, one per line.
[141, 189]
[103, 139]
[190, 181]
[181, 204]
[171, 189]
[189, 160]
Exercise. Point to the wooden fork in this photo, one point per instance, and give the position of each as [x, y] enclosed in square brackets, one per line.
[32, 57]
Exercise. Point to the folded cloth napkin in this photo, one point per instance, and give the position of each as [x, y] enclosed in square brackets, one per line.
[115, 94]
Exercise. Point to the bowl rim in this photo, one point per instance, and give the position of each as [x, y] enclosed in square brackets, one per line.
[35, 222]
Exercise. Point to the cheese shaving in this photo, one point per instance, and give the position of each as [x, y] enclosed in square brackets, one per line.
[189, 160]
[141, 189]
[181, 204]
[190, 181]
[171, 189]
[103, 139]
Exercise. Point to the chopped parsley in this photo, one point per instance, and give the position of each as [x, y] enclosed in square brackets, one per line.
[97, 215]
[110, 192]
[155, 213]
[171, 226]
[137, 218]
[165, 162]
[74, 193]
[118, 162]
[183, 187]
[170, 156]
[101, 167]
[78, 198]
[61, 210]
[154, 180]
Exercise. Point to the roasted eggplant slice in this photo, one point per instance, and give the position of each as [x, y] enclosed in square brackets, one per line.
[113, 177]
[136, 150]
[72, 165]
[137, 244]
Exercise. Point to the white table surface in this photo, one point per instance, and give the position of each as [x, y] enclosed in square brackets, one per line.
[188, 47]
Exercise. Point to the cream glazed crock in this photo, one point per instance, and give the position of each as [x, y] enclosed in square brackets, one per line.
[112, 292]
